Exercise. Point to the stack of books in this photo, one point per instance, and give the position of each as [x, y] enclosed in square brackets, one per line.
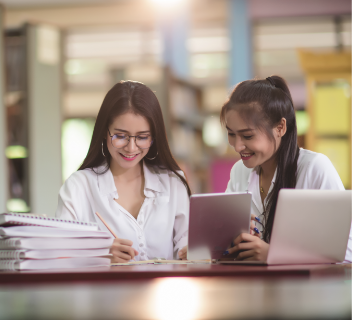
[34, 242]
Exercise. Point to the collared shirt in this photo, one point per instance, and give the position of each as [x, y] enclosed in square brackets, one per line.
[161, 227]
[314, 171]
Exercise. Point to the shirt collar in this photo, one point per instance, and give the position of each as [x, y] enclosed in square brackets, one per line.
[152, 180]
[253, 187]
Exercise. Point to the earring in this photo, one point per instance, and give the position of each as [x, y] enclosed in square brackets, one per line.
[102, 148]
[154, 157]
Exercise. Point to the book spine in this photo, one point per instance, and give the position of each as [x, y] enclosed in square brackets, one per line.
[11, 254]
[9, 244]
[9, 265]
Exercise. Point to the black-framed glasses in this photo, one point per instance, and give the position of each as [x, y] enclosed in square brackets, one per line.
[120, 140]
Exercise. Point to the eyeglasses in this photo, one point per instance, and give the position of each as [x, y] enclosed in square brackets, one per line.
[120, 140]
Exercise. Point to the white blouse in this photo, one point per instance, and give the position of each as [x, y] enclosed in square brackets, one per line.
[161, 227]
[314, 171]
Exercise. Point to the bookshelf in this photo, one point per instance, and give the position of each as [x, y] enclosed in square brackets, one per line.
[185, 120]
[33, 118]
[328, 82]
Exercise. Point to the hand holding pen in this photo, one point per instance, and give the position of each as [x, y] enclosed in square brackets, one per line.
[121, 249]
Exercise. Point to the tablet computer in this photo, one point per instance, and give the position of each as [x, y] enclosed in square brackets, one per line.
[215, 220]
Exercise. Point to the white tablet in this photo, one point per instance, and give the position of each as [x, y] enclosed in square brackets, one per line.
[215, 219]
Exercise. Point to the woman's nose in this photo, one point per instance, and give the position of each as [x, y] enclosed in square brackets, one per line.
[239, 146]
[131, 147]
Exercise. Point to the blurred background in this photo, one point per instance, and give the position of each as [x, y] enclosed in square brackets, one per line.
[60, 57]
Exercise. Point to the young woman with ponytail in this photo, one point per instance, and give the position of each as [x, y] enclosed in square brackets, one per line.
[260, 119]
[131, 179]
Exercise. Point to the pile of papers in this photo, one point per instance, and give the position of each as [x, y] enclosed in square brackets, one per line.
[33, 242]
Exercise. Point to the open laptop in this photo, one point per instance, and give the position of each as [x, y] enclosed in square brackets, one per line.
[214, 220]
[310, 226]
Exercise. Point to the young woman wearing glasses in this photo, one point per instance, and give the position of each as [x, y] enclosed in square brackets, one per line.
[131, 179]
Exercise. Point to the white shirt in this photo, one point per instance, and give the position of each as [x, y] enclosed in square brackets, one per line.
[314, 171]
[161, 227]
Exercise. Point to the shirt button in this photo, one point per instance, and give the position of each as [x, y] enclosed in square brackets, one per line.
[141, 244]
[140, 222]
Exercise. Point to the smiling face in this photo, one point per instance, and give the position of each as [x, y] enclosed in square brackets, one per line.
[133, 125]
[253, 145]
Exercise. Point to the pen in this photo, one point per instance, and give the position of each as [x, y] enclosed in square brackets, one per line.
[102, 220]
[106, 225]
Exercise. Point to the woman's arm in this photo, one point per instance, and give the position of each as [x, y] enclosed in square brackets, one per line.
[71, 199]
[181, 221]
[74, 202]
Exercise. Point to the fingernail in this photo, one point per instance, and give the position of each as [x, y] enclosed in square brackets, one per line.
[256, 218]
[256, 230]
[232, 244]
[225, 253]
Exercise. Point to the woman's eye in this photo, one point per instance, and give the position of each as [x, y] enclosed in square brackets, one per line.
[142, 137]
[120, 136]
[231, 134]
[247, 137]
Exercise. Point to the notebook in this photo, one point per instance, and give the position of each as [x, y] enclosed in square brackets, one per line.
[8, 219]
[68, 263]
[37, 232]
[55, 243]
[51, 254]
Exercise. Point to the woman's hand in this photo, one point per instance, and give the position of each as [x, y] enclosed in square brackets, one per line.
[253, 229]
[254, 248]
[182, 253]
[122, 250]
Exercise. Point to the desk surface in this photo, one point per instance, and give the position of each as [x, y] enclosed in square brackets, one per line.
[143, 272]
[180, 299]
[179, 292]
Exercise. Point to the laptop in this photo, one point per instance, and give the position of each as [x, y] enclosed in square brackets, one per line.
[214, 220]
[310, 226]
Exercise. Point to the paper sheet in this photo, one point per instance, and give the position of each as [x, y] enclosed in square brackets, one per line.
[132, 263]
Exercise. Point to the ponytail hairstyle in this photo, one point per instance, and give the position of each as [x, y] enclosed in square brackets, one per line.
[263, 103]
[135, 97]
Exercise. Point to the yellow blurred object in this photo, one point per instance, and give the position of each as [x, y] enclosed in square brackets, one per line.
[16, 152]
[338, 151]
[332, 110]
[328, 79]
[303, 122]
[338, 61]
[17, 205]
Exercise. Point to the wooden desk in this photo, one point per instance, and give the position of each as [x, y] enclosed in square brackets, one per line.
[181, 299]
[143, 272]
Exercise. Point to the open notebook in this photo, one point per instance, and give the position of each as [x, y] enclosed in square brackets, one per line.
[8, 219]
[161, 261]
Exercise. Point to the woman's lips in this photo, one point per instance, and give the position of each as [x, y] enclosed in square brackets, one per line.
[246, 156]
[129, 158]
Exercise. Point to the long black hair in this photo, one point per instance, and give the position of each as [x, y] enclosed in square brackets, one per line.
[131, 96]
[264, 103]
